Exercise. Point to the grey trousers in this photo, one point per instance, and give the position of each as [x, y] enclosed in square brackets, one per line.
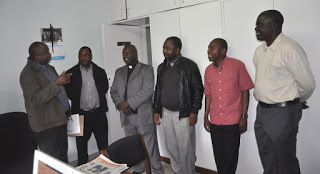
[180, 142]
[276, 132]
[149, 133]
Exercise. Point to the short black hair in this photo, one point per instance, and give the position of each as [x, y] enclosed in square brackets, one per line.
[33, 49]
[275, 15]
[131, 47]
[85, 47]
[223, 43]
[176, 41]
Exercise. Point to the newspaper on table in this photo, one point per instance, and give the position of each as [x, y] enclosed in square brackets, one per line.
[102, 165]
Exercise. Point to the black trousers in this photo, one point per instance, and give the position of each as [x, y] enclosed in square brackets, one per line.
[94, 122]
[225, 142]
[54, 141]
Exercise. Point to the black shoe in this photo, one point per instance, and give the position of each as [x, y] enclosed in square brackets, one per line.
[135, 172]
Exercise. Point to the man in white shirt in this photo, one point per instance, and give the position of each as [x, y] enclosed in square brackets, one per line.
[283, 83]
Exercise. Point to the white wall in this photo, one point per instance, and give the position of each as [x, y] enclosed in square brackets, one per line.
[304, 28]
[20, 23]
[80, 20]
[239, 21]
[198, 25]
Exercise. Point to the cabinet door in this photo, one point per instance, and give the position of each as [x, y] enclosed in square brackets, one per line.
[117, 9]
[137, 8]
[184, 3]
[162, 26]
[156, 6]
[240, 20]
[199, 25]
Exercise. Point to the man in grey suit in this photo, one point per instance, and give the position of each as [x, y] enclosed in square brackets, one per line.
[131, 92]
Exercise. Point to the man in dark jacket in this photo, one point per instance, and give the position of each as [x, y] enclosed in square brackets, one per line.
[87, 92]
[178, 98]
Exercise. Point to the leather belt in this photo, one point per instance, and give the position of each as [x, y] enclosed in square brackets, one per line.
[278, 105]
[92, 110]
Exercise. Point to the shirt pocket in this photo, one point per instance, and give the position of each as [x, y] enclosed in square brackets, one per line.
[277, 73]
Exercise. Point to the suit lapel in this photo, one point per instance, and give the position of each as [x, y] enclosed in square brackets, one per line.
[135, 71]
[125, 74]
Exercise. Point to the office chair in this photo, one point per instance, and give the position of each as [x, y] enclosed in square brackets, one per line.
[17, 143]
[129, 150]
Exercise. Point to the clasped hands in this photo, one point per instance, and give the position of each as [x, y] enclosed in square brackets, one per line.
[125, 107]
[192, 119]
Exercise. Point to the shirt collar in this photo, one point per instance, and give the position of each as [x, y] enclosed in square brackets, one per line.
[175, 62]
[132, 66]
[43, 67]
[275, 43]
[83, 68]
[222, 63]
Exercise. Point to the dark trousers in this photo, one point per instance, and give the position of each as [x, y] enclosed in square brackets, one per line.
[94, 122]
[225, 142]
[276, 132]
[54, 142]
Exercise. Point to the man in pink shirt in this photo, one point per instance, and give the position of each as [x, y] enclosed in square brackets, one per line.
[227, 85]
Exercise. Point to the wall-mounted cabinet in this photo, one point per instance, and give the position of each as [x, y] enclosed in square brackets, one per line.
[121, 10]
[156, 6]
[127, 9]
[117, 10]
[137, 8]
[184, 3]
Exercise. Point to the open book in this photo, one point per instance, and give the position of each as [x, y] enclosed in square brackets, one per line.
[102, 165]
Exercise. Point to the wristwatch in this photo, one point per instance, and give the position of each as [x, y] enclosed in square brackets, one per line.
[245, 115]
